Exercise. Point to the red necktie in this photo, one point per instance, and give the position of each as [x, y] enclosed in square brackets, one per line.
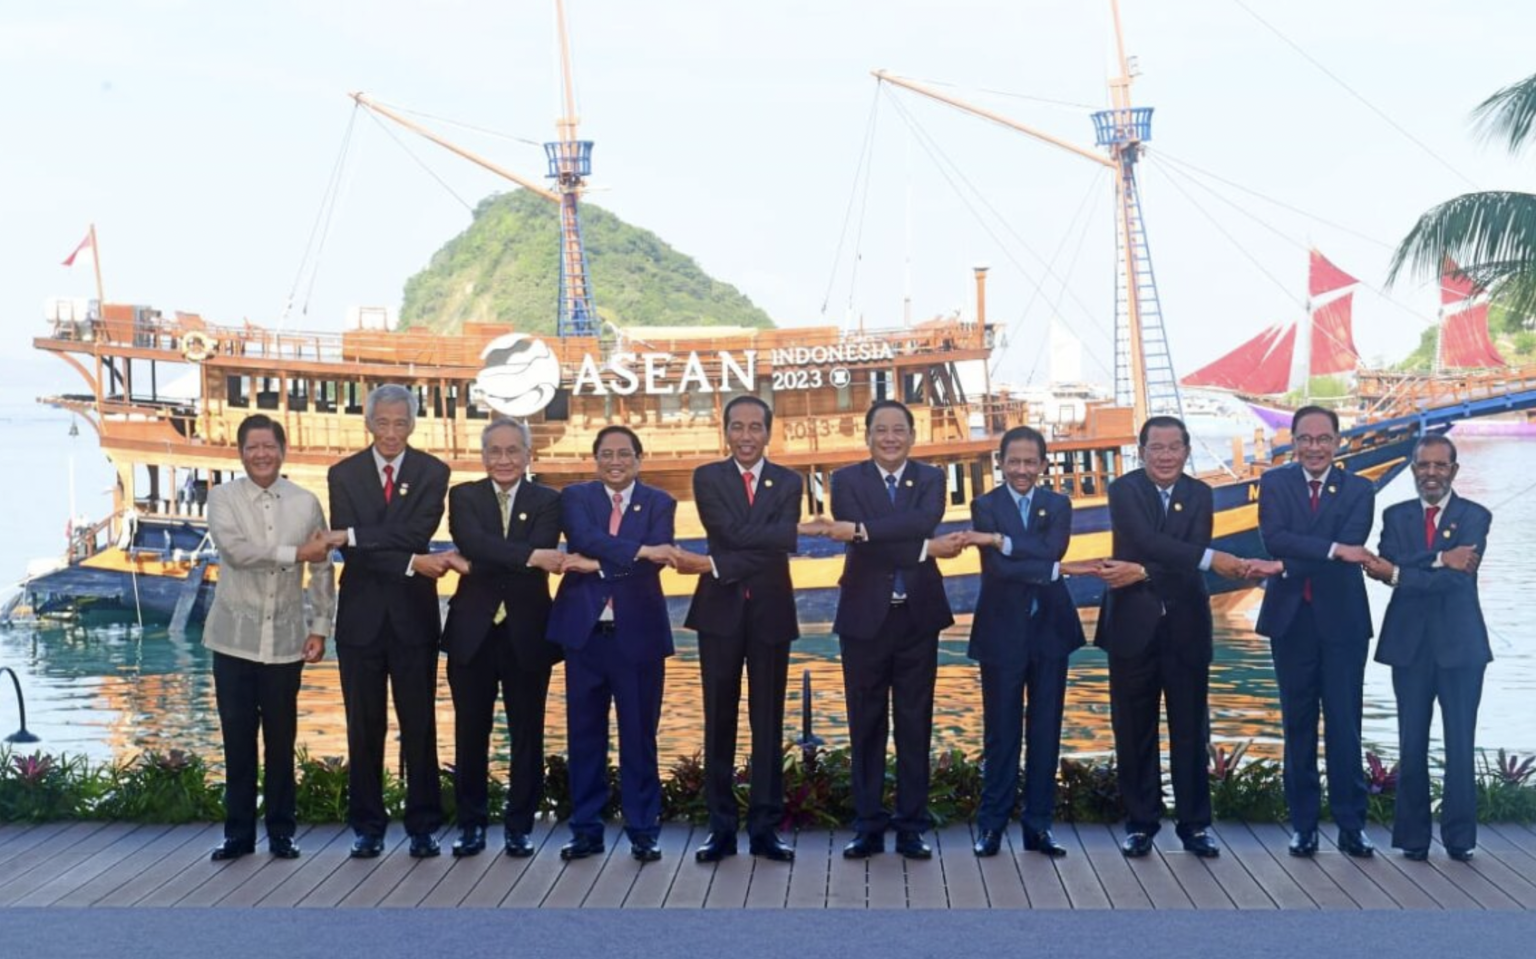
[389, 482]
[1430, 512]
[747, 479]
[1317, 488]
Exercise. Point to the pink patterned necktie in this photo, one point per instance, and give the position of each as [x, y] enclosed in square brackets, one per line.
[617, 516]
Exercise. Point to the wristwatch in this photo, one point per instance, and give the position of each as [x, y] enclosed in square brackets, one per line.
[1393, 581]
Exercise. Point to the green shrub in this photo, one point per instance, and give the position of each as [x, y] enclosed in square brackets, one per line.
[169, 787]
[1088, 791]
[40, 787]
[1253, 791]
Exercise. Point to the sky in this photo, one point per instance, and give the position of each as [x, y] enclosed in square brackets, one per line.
[199, 137]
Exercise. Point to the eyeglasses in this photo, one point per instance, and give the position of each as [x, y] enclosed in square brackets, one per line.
[1158, 449]
[1322, 439]
[610, 456]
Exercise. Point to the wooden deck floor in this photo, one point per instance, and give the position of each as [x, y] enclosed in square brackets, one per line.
[118, 864]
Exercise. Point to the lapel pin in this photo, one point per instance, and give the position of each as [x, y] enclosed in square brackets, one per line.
[1333, 489]
[1040, 513]
[1446, 534]
[636, 507]
[523, 517]
[909, 483]
[1178, 507]
[767, 482]
[405, 489]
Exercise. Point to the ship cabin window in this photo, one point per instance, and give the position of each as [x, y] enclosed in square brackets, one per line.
[913, 388]
[354, 395]
[879, 384]
[325, 396]
[298, 395]
[956, 484]
[670, 408]
[844, 398]
[239, 391]
[816, 492]
[559, 408]
[266, 395]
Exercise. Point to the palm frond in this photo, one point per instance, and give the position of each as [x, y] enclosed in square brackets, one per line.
[1487, 233]
[1510, 114]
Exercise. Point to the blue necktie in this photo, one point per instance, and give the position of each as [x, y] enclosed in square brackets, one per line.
[1167, 495]
[1034, 602]
[899, 585]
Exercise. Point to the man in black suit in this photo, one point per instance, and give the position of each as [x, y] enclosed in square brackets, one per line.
[1025, 629]
[1155, 624]
[386, 502]
[889, 613]
[507, 528]
[744, 612]
[1436, 642]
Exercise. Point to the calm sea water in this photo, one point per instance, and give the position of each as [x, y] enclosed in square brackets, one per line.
[111, 692]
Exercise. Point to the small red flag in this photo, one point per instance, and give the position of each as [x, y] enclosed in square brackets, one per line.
[84, 245]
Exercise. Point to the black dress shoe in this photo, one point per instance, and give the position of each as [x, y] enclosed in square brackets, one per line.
[1043, 842]
[424, 845]
[644, 849]
[367, 847]
[1416, 855]
[988, 842]
[1202, 844]
[471, 841]
[864, 845]
[518, 845]
[1136, 845]
[1460, 855]
[910, 845]
[283, 847]
[716, 847]
[1353, 842]
[581, 847]
[770, 846]
[1303, 843]
[232, 849]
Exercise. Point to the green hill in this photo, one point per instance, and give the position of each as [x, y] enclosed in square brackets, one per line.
[505, 269]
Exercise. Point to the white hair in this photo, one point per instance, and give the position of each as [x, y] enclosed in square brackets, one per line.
[390, 393]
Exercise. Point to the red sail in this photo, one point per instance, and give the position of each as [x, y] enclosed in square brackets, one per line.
[1333, 338]
[1272, 375]
[1455, 288]
[1324, 277]
[1464, 341]
[1231, 372]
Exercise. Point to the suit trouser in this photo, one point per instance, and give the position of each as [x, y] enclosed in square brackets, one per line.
[254, 695]
[475, 683]
[1008, 718]
[367, 674]
[721, 658]
[1311, 671]
[596, 676]
[1161, 674]
[1459, 690]
[898, 664]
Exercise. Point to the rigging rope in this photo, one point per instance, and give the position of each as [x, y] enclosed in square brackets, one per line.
[864, 168]
[321, 226]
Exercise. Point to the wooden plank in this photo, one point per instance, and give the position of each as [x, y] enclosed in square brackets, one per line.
[1492, 841]
[312, 840]
[189, 855]
[925, 880]
[392, 870]
[1193, 874]
[1081, 883]
[963, 885]
[1102, 848]
[1402, 891]
[886, 878]
[770, 882]
[25, 838]
[847, 879]
[654, 884]
[1514, 835]
[1493, 870]
[486, 879]
[1309, 874]
[1227, 873]
[72, 879]
[621, 872]
[38, 853]
[351, 873]
[812, 865]
[1268, 874]
[228, 880]
[1000, 875]
[533, 876]
[131, 867]
[1445, 894]
[314, 869]
[690, 883]
[1042, 881]
[1155, 876]
[567, 888]
[728, 886]
[43, 872]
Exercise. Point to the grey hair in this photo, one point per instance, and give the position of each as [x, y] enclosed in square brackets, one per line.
[501, 421]
[390, 393]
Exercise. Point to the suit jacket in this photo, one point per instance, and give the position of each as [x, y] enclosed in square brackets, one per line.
[1170, 545]
[644, 629]
[499, 569]
[750, 546]
[374, 584]
[1005, 630]
[1300, 538]
[897, 532]
[1437, 606]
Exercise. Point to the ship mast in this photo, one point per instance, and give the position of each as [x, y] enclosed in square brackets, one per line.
[570, 161]
[1144, 378]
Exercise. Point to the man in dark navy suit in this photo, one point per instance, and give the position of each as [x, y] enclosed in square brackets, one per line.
[744, 612]
[1314, 518]
[611, 617]
[1025, 629]
[386, 503]
[1436, 642]
[507, 527]
[889, 613]
[1155, 623]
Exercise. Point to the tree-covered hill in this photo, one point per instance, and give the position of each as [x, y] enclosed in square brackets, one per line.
[505, 268]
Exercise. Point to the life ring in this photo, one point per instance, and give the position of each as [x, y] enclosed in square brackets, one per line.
[197, 345]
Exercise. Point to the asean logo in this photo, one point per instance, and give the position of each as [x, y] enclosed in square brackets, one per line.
[520, 376]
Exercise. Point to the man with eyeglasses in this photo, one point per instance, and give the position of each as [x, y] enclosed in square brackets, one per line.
[1314, 518]
[1436, 642]
[1155, 624]
[611, 616]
